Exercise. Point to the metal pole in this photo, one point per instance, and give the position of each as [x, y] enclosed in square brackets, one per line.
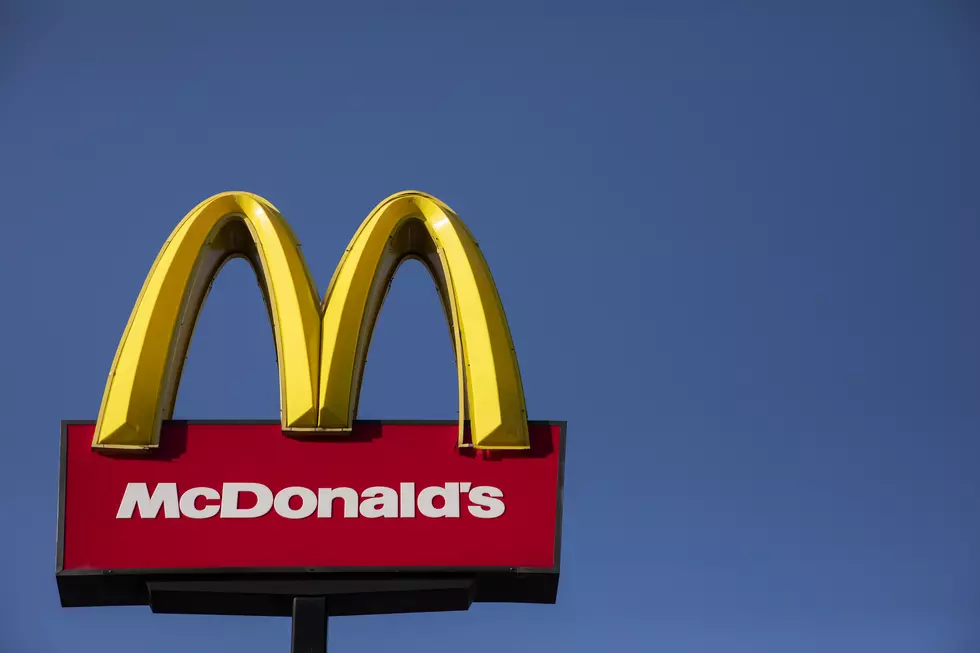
[309, 624]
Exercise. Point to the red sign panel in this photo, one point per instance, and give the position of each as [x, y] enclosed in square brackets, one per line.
[390, 496]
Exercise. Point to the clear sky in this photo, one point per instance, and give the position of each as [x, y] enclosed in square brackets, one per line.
[737, 243]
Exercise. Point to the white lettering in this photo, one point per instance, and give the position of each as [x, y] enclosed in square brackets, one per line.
[327, 495]
[435, 502]
[188, 503]
[407, 497]
[488, 502]
[137, 495]
[229, 500]
[379, 502]
[450, 501]
[307, 508]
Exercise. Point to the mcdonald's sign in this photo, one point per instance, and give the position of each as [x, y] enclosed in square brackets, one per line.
[226, 517]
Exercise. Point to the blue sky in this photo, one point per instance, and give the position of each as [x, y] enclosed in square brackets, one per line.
[736, 242]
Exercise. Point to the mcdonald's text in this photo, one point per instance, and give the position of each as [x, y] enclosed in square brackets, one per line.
[253, 500]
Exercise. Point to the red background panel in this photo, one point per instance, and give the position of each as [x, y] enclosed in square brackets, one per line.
[209, 454]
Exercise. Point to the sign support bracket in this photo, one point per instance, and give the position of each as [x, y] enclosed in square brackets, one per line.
[309, 624]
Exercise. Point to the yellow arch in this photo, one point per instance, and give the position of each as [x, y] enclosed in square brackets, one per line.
[321, 347]
[142, 385]
[415, 225]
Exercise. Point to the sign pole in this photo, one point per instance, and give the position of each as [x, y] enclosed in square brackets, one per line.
[309, 624]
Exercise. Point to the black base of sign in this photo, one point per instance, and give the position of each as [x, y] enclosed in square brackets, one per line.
[271, 594]
[276, 598]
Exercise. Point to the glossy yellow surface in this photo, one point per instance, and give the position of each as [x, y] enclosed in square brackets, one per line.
[321, 347]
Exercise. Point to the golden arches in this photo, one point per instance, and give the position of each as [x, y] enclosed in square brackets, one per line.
[321, 347]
